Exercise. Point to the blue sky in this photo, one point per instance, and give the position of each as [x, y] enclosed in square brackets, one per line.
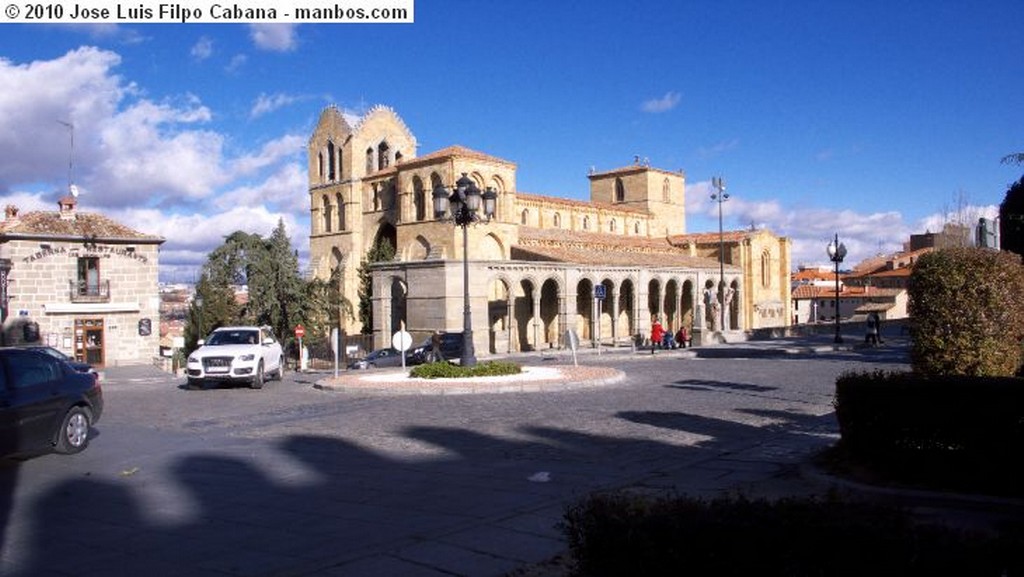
[868, 119]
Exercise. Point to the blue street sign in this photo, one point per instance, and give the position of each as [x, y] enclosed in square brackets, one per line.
[599, 292]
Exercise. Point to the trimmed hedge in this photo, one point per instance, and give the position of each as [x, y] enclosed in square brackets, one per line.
[966, 312]
[445, 370]
[620, 534]
[895, 412]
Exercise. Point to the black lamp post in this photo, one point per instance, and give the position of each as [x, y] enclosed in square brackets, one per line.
[836, 253]
[5, 271]
[465, 203]
[718, 183]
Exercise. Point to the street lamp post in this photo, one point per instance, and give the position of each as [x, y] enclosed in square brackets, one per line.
[718, 183]
[465, 202]
[836, 253]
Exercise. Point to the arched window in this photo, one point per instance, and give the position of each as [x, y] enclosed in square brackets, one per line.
[341, 211]
[326, 203]
[611, 225]
[435, 181]
[383, 160]
[398, 156]
[525, 217]
[369, 160]
[331, 175]
[320, 166]
[636, 227]
[666, 191]
[557, 219]
[586, 223]
[766, 269]
[376, 197]
[620, 190]
[419, 199]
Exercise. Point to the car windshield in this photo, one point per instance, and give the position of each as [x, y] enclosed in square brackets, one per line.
[239, 337]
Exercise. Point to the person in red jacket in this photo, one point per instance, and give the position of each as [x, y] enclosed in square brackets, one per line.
[657, 334]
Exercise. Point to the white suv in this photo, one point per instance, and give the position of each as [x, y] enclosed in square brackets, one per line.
[236, 354]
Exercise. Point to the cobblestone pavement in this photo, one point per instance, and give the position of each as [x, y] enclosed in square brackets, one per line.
[295, 480]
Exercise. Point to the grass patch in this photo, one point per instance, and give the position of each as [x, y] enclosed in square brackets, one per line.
[445, 370]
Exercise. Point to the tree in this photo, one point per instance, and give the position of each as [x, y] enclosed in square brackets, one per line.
[270, 269]
[381, 251]
[966, 315]
[1011, 219]
[325, 305]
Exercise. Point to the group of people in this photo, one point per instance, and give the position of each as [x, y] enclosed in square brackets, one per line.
[661, 338]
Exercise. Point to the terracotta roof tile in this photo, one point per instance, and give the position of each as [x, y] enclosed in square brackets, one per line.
[84, 224]
[579, 204]
[560, 245]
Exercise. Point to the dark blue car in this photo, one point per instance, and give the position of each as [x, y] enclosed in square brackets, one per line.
[45, 404]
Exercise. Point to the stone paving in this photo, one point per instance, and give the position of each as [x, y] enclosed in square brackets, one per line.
[299, 479]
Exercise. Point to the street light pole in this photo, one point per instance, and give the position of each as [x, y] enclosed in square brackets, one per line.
[465, 202]
[718, 183]
[836, 253]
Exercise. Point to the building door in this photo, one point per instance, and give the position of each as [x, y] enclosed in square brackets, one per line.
[89, 341]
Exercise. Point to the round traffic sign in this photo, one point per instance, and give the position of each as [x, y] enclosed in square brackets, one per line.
[300, 331]
[401, 340]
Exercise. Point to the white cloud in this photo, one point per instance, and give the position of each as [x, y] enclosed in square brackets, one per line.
[274, 37]
[203, 48]
[663, 104]
[236, 63]
[719, 148]
[268, 103]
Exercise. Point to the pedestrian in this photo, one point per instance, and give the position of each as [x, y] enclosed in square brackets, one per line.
[436, 356]
[668, 341]
[657, 335]
[871, 338]
[682, 337]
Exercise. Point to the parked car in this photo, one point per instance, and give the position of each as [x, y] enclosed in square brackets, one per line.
[389, 357]
[45, 404]
[451, 348]
[236, 355]
[79, 366]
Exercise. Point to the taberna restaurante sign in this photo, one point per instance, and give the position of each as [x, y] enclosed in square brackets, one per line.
[87, 250]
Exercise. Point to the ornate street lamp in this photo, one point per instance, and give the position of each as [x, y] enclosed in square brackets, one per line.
[718, 183]
[465, 202]
[836, 253]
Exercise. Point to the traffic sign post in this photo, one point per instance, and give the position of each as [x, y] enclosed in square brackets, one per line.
[401, 340]
[300, 332]
[599, 295]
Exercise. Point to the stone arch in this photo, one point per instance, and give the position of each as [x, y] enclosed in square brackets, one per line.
[766, 268]
[620, 190]
[612, 225]
[419, 199]
[383, 155]
[370, 164]
[666, 190]
[418, 249]
[320, 166]
[557, 220]
[331, 163]
[386, 231]
[524, 217]
[340, 200]
[399, 301]
[607, 327]
[654, 299]
[499, 315]
[670, 310]
[491, 248]
[627, 307]
[550, 313]
[586, 223]
[732, 305]
[525, 311]
[585, 309]
[327, 213]
[686, 305]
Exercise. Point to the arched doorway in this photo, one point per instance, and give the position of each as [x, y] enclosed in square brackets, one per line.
[526, 327]
[549, 313]
[627, 310]
[498, 311]
[584, 310]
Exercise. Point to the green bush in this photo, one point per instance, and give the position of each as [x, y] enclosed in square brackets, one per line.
[445, 370]
[621, 534]
[966, 312]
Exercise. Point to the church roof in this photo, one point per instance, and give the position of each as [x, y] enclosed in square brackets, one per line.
[560, 245]
[454, 151]
[578, 204]
[50, 224]
[634, 168]
[699, 238]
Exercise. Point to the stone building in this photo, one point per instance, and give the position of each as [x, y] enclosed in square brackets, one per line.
[81, 283]
[534, 267]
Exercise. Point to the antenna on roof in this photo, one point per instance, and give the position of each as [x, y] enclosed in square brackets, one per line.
[71, 158]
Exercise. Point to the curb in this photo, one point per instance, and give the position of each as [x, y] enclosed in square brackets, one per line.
[402, 385]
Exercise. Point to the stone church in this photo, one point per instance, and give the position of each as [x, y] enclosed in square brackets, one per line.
[534, 267]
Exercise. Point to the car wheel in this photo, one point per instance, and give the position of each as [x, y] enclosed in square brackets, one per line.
[257, 381]
[279, 374]
[73, 435]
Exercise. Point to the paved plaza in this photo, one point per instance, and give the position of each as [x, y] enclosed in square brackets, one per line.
[302, 480]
